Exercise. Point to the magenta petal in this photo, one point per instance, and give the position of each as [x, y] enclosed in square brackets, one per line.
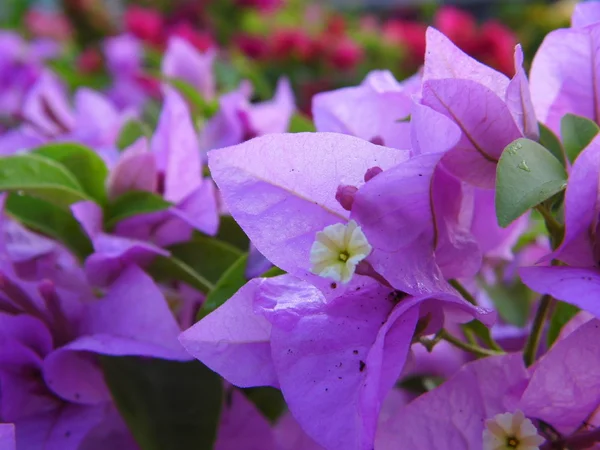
[395, 214]
[243, 426]
[485, 121]
[582, 208]
[564, 389]
[62, 429]
[183, 61]
[234, 341]
[289, 435]
[457, 252]
[111, 433]
[281, 189]
[273, 116]
[177, 150]
[113, 254]
[586, 13]
[46, 107]
[333, 354]
[444, 60]
[7, 437]
[518, 100]
[135, 171]
[564, 76]
[383, 102]
[89, 216]
[574, 285]
[199, 209]
[452, 416]
[133, 315]
[431, 131]
[75, 375]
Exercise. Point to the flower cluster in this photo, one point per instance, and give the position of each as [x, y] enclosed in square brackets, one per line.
[182, 267]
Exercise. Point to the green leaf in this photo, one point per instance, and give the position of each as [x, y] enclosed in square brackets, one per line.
[40, 177]
[131, 204]
[83, 163]
[300, 123]
[481, 331]
[561, 316]
[131, 132]
[268, 400]
[200, 107]
[273, 272]
[512, 302]
[527, 174]
[576, 132]
[50, 220]
[166, 404]
[168, 268]
[231, 232]
[233, 279]
[206, 256]
[549, 140]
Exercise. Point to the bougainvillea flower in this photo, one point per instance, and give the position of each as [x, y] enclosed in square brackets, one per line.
[238, 120]
[184, 62]
[563, 75]
[48, 117]
[587, 13]
[124, 57]
[52, 334]
[7, 437]
[464, 410]
[490, 110]
[341, 345]
[21, 64]
[578, 281]
[384, 103]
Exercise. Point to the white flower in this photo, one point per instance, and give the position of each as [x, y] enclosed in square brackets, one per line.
[511, 432]
[337, 250]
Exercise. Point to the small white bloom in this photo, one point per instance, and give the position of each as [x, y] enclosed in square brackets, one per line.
[337, 250]
[511, 432]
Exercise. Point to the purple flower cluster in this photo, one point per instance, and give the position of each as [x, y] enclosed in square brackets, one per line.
[378, 291]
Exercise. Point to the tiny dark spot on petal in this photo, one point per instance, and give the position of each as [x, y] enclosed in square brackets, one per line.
[355, 352]
[68, 434]
[326, 389]
[333, 285]
[362, 365]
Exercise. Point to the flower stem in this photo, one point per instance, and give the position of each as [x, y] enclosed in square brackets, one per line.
[554, 227]
[533, 342]
[471, 348]
[463, 291]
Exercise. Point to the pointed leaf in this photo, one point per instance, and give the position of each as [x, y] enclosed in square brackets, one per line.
[42, 178]
[207, 256]
[83, 163]
[200, 107]
[527, 174]
[50, 220]
[165, 268]
[166, 404]
[300, 123]
[131, 204]
[560, 317]
[549, 140]
[131, 132]
[576, 132]
[232, 280]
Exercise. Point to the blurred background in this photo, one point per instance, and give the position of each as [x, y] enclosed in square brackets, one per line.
[319, 45]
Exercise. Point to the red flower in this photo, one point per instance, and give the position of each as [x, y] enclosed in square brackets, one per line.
[345, 54]
[89, 61]
[459, 26]
[497, 47]
[292, 43]
[202, 40]
[411, 35]
[146, 24]
[255, 47]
